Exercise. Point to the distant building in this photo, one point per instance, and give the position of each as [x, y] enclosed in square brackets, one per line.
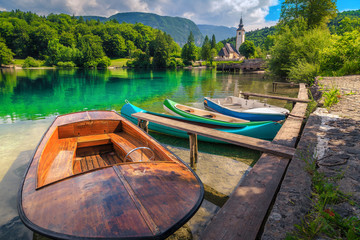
[229, 52]
[240, 34]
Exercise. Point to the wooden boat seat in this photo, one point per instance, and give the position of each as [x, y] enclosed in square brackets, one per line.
[60, 167]
[93, 140]
[123, 146]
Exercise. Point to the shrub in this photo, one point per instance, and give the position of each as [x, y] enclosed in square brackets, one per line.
[66, 64]
[179, 63]
[304, 72]
[172, 64]
[31, 62]
[90, 64]
[104, 62]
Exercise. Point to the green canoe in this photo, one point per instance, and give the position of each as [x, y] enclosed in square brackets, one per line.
[207, 116]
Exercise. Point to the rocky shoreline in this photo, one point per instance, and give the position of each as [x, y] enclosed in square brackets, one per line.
[331, 138]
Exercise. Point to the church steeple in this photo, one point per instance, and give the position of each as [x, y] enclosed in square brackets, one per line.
[241, 25]
[240, 34]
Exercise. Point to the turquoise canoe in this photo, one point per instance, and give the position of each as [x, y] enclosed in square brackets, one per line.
[207, 116]
[266, 131]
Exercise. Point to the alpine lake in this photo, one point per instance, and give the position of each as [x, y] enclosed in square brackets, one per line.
[31, 99]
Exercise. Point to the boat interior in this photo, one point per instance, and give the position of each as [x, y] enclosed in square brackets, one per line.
[210, 115]
[84, 146]
[240, 103]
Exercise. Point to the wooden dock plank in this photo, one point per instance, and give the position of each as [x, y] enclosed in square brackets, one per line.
[244, 213]
[275, 97]
[243, 141]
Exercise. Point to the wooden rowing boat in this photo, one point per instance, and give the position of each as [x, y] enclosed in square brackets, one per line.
[96, 175]
[248, 109]
[203, 115]
[266, 130]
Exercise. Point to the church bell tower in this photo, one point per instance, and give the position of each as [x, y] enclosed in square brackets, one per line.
[240, 34]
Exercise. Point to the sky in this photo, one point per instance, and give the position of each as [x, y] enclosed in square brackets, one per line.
[256, 13]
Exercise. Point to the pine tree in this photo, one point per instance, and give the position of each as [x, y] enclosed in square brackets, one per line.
[213, 42]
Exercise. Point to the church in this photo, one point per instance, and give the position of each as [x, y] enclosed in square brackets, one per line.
[229, 52]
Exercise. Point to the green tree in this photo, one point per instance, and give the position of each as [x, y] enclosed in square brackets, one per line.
[315, 12]
[161, 51]
[57, 52]
[213, 41]
[341, 55]
[104, 63]
[39, 39]
[206, 49]
[142, 59]
[189, 50]
[67, 39]
[91, 50]
[219, 46]
[6, 55]
[348, 25]
[296, 53]
[130, 47]
[247, 49]
[115, 46]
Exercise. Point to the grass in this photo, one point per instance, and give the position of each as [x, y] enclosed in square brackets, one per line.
[19, 62]
[118, 62]
[227, 62]
[321, 220]
[312, 105]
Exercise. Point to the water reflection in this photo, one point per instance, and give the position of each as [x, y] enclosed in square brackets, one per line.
[29, 100]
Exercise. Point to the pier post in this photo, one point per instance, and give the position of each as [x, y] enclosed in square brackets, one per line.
[193, 149]
[143, 124]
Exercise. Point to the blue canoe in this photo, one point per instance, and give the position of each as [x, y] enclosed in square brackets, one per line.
[266, 131]
[248, 109]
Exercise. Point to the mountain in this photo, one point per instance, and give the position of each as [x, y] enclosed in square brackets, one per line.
[221, 32]
[178, 28]
[102, 19]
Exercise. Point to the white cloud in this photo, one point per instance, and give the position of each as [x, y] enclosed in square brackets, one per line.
[215, 12]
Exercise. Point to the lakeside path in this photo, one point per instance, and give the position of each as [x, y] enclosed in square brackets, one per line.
[332, 139]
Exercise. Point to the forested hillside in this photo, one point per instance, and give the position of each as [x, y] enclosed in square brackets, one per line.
[178, 28]
[351, 17]
[63, 39]
[258, 37]
[220, 32]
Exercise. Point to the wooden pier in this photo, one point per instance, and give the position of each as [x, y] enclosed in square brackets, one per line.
[244, 213]
[239, 140]
[247, 95]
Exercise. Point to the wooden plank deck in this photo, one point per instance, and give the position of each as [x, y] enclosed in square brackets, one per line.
[243, 214]
[246, 94]
[243, 141]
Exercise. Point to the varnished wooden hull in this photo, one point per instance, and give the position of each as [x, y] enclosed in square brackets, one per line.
[100, 195]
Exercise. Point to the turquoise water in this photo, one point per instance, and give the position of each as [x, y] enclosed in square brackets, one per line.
[30, 100]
